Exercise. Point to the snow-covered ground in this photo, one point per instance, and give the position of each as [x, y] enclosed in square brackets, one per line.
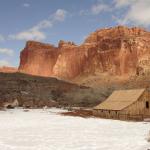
[46, 130]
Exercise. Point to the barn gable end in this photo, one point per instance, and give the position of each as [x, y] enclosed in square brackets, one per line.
[125, 105]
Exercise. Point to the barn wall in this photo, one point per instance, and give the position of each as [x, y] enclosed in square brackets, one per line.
[136, 111]
[110, 114]
[147, 111]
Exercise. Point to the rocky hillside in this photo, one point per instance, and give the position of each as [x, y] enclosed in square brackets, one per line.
[34, 91]
[117, 51]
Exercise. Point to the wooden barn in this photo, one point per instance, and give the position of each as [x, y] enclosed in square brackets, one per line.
[125, 105]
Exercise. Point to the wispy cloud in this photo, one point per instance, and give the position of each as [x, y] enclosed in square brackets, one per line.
[26, 5]
[6, 51]
[42, 25]
[36, 32]
[123, 3]
[138, 11]
[59, 15]
[2, 38]
[84, 12]
[95, 9]
[28, 35]
[4, 63]
[98, 8]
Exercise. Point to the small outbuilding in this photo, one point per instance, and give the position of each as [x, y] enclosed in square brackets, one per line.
[131, 104]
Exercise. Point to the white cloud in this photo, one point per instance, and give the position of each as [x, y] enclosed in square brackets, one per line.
[4, 63]
[36, 33]
[29, 35]
[6, 51]
[2, 38]
[83, 12]
[26, 5]
[42, 25]
[97, 8]
[138, 11]
[60, 15]
[123, 3]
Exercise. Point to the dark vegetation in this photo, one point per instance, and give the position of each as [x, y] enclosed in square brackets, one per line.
[35, 91]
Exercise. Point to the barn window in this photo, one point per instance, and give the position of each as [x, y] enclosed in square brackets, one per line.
[147, 104]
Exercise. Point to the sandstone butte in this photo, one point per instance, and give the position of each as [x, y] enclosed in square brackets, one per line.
[118, 51]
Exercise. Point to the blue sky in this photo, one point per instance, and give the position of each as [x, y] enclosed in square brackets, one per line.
[52, 20]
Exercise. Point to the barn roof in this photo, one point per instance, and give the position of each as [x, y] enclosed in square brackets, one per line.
[120, 99]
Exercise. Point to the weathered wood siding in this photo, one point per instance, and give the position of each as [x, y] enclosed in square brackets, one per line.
[136, 111]
[106, 113]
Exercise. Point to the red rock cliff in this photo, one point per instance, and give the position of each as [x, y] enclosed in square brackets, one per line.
[118, 51]
[38, 58]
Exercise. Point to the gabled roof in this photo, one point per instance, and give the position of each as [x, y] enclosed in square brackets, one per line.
[120, 99]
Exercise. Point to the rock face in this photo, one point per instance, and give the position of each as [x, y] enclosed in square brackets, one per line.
[8, 69]
[117, 51]
[38, 59]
